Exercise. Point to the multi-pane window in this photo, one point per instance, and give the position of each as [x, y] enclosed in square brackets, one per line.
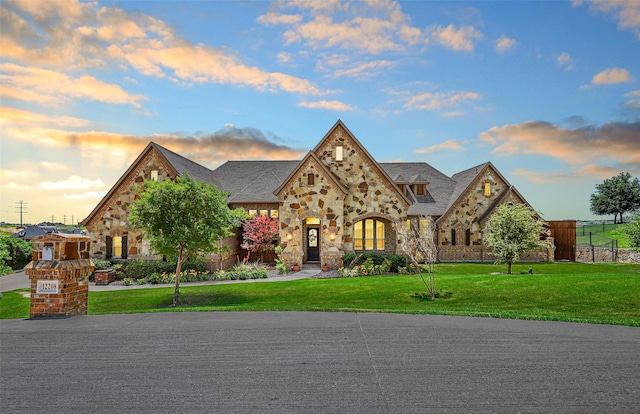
[253, 213]
[369, 235]
[274, 213]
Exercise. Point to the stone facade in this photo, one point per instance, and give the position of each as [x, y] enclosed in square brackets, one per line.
[112, 220]
[338, 192]
[473, 204]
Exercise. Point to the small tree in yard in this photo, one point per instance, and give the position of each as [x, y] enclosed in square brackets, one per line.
[185, 218]
[260, 235]
[511, 231]
[417, 237]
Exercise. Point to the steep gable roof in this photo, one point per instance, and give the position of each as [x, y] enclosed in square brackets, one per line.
[184, 165]
[465, 178]
[175, 163]
[364, 153]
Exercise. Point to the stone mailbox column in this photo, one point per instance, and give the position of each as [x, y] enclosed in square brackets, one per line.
[59, 275]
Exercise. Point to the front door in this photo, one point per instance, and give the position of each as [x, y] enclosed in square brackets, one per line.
[313, 245]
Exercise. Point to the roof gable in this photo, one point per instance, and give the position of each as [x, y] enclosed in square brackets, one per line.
[310, 158]
[339, 134]
[174, 164]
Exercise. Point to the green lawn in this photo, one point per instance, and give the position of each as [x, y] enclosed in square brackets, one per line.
[595, 293]
[601, 235]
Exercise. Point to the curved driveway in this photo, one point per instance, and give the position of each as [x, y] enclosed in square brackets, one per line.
[284, 362]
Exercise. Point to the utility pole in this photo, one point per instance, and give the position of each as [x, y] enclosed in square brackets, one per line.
[21, 207]
[64, 219]
[52, 219]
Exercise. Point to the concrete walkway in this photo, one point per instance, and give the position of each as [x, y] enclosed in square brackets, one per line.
[299, 362]
[19, 280]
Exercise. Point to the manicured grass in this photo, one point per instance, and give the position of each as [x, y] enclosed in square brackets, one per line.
[601, 235]
[596, 293]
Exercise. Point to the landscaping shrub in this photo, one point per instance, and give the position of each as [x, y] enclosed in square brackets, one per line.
[140, 269]
[367, 268]
[243, 271]
[101, 264]
[395, 260]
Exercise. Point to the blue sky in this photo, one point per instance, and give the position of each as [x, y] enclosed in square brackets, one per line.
[546, 90]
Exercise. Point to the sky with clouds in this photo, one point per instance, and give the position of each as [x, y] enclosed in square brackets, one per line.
[547, 91]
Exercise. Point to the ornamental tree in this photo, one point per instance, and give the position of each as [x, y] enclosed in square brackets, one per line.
[511, 231]
[417, 238]
[616, 195]
[260, 234]
[184, 218]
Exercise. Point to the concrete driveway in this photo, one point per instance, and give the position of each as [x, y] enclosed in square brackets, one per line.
[292, 362]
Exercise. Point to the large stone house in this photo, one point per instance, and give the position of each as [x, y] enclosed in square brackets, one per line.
[337, 199]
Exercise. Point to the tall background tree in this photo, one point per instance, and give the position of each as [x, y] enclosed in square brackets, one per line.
[260, 235]
[511, 231]
[184, 218]
[616, 195]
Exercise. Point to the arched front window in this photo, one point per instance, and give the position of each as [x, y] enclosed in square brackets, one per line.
[369, 234]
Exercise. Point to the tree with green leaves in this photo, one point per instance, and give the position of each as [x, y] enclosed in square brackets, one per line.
[5, 257]
[15, 253]
[632, 230]
[184, 218]
[512, 230]
[617, 195]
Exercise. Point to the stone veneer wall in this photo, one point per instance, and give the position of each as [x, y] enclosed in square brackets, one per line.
[300, 201]
[588, 254]
[370, 193]
[485, 254]
[473, 204]
[114, 217]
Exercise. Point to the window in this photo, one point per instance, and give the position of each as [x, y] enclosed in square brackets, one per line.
[339, 153]
[312, 220]
[369, 234]
[467, 237]
[453, 237]
[117, 246]
[253, 213]
[487, 189]
[420, 189]
[274, 213]
[264, 212]
[311, 179]
[154, 175]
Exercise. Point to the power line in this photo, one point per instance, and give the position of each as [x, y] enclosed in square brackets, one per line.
[21, 208]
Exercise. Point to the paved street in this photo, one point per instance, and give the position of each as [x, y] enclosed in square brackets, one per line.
[282, 362]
